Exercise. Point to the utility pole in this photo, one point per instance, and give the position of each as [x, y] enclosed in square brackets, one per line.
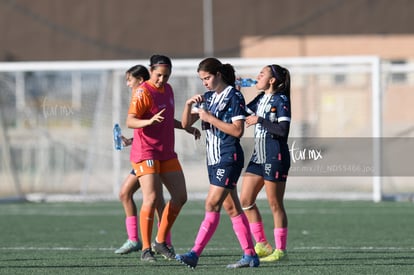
[208, 28]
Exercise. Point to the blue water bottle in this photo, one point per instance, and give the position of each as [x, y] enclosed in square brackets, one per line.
[117, 137]
[246, 82]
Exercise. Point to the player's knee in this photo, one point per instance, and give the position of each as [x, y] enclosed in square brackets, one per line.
[275, 206]
[248, 205]
[231, 210]
[210, 207]
[123, 196]
[179, 198]
[183, 200]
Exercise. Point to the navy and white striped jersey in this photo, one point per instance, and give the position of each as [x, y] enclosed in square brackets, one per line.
[227, 106]
[276, 109]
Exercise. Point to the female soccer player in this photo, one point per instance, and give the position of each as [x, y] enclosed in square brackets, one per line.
[135, 76]
[222, 117]
[151, 115]
[269, 165]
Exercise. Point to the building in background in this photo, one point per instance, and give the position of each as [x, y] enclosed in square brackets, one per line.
[135, 29]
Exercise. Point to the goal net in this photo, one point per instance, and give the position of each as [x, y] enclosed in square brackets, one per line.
[349, 127]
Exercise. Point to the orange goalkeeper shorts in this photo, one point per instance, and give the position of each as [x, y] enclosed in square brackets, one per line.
[156, 166]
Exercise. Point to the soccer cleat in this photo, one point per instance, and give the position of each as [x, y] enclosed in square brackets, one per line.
[190, 259]
[263, 249]
[246, 261]
[277, 255]
[128, 247]
[148, 256]
[162, 248]
[171, 248]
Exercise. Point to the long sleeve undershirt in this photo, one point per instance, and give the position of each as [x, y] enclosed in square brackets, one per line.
[280, 129]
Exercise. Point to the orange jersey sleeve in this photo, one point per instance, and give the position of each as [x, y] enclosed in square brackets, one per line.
[141, 102]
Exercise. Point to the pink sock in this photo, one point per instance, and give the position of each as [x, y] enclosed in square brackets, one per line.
[280, 237]
[168, 237]
[258, 232]
[207, 228]
[132, 228]
[242, 229]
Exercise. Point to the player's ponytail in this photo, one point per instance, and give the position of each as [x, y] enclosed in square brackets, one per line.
[228, 74]
[282, 76]
[213, 66]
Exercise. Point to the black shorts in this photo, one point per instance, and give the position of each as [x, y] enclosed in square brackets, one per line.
[275, 171]
[224, 175]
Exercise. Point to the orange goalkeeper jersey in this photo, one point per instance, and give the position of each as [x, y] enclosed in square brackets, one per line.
[154, 142]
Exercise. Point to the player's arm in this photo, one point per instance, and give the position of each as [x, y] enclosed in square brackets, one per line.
[188, 117]
[235, 128]
[280, 129]
[191, 130]
[134, 123]
[141, 102]
[126, 141]
[251, 107]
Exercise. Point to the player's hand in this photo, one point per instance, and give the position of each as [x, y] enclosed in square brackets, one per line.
[238, 87]
[194, 131]
[251, 120]
[204, 115]
[157, 118]
[126, 141]
[195, 99]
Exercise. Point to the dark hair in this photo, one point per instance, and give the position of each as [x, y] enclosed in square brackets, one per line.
[162, 60]
[213, 66]
[139, 71]
[282, 76]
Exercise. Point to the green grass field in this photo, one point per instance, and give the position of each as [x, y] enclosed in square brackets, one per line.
[324, 238]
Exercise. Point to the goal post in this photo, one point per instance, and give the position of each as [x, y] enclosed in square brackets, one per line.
[376, 128]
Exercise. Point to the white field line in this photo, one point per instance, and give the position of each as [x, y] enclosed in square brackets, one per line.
[184, 212]
[362, 248]
[301, 248]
